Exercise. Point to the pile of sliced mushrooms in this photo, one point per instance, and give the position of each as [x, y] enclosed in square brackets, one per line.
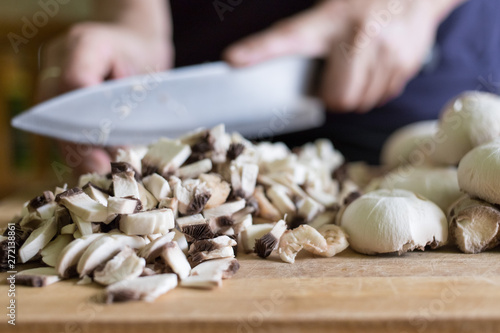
[177, 212]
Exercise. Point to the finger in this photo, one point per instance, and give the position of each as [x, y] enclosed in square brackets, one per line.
[308, 34]
[344, 80]
[85, 158]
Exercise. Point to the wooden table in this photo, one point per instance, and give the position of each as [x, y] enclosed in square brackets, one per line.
[439, 291]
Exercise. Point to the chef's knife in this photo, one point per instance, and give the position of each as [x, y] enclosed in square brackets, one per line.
[258, 101]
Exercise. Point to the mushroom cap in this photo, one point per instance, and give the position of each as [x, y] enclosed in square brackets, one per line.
[386, 221]
[438, 184]
[399, 148]
[469, 120]
[479, 172]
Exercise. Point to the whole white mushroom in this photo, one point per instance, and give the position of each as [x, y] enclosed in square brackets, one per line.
[410, 145]
[438, 184]
[467, 121]
[386, 221]
[479, 172]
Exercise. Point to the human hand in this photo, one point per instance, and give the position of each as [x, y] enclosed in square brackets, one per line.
[88, 54]
[373, 48]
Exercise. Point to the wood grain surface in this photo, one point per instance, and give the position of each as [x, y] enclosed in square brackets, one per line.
[439, 291]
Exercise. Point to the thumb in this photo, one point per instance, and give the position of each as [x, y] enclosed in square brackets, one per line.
[308, 33]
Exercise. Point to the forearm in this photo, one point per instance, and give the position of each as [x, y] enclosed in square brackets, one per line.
[150, 17]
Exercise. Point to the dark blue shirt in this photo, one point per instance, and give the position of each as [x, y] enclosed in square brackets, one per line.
[467, 57]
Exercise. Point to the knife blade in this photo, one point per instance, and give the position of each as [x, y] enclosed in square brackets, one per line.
[258, 101]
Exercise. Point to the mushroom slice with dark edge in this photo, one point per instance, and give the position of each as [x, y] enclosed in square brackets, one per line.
[269, 242]
[96, 193]
[71, 254]
[474, 225]
[147, 199]
[253, 232]
[79, 203]
[126, 265]
[195, 169]
[125, 185]
[227, 209]
[149, 222]
[37, 277]
[176, 259]
[62, 216]
[220, 141]
[51, 252]
[43, 205]
[221, 268]
[153, 250]
[219, 247]
[200, 197]
[165, 156]
[309, 208]
[37, 240]
[158, 186]
[147, 288]
[132, 156]
[219, 189]
[243, 178]
[195, 227]
[105, 248]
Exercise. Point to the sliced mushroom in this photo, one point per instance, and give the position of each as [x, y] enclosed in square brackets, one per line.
[336, 240]
[227, 209]
[195, 169]
[170, 203]
[125, 185]
[200, 197]
[147, 199]
[118, 206]
[165, 156]
[149, 222]
[303, 237]
[157, 185]
[269, 242]
[79, 203]
[68, 229]
[153, 250]
[43, 205]
[220, 142]
[176, 259]
[84, 227]
[37, 277]
[242, 223]
[126, 265]
[474, 225]
[51, 252]
[62, 216]
[327, 217]
[181, 240]
[132, 156]
[37, 240]
[266, 209]
[147, 288]
[195, 227]
[309, 208]
[220, 268]
[206, 249]
[219, 189]
[98, 180]
[253, 232]
[71, 254]
[96, 193]
[201, 281]
[243, 178]
[105, 248]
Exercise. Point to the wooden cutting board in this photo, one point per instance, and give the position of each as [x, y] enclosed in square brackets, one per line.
[439, 291]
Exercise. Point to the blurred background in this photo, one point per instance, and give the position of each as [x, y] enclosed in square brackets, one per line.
[25, 158]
